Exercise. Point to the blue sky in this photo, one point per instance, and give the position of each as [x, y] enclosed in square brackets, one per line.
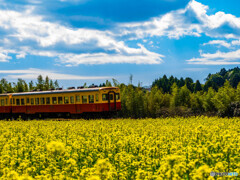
[77, 41]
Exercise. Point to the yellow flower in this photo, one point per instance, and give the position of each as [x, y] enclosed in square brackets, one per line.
[55, 146]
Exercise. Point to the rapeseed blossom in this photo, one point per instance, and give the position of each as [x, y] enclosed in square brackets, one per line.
[169, 148]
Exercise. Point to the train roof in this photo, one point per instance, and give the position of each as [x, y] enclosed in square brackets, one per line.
[59, 91]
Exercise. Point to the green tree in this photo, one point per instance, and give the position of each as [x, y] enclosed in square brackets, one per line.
[175, 99]
[4, 84]
[208, 96]
[20, 86]
[31, 86]
[10, 88]
[181, 82]
[46, 83]
[189, 83]
[108, 83]
[1, 89]
[196, 102]
[223, 72]
[40, 83]
[56, 85]
[184, 96]
[238, 92]
[155, 101]
[224, 97]
[141, 99]
[26, 89]
[197, 86]
[51, 84]
[209, 84]
[115, 82]
[235, 79]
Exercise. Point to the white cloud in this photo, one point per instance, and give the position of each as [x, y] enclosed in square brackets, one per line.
[236, 42]
[21, 55]
[137, 56]
[218, 58]
[4, 57]
[191, 21]
[4, 54]
[219, 42]
[25, 26]
[32, 73]
[125, 55]
[28, 26]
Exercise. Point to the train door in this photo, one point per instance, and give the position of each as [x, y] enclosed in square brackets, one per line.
[10, 104]
[112, 101]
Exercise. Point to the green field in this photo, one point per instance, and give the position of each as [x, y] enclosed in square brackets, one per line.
[171, 148]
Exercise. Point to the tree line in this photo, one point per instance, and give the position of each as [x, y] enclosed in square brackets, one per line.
[22, 86]
[139, 103]
[219, 95]
[214, 81]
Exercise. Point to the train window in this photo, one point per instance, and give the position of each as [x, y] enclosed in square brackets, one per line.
[42, 100]
[6, 101]
[91, 98]
[111, 96]
[97, 97]
[48, 100]
[84, 99]
[22, 101]
[18, 102]
[72, 100]
[37, 101]
[54, 100]
[32, 101]
[66, 100]
[13, 100]
[117, 96]
[105, 97]
[2, 102]
[60, 100]
[28, 100]
[77, 98]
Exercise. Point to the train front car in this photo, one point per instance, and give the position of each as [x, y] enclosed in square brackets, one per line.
[110, 99]
[75, 103]
[98, 102]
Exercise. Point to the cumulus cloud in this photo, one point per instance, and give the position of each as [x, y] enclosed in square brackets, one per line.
[191, 21]
[23, 27]
[34, 35]
[137, 56]
[26, 26]
[4, 57]
[235, 42]
[33, 73]
[218, 42]
[194, 21]
[218, 58]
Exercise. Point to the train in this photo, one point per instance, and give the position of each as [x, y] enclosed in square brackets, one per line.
[69, 103]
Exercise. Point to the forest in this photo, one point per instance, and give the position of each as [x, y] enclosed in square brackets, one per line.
[219, 95]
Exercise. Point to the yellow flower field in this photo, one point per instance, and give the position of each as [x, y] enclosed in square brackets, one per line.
[171, 148]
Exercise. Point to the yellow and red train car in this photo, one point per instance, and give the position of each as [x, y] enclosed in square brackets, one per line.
[70, 103]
